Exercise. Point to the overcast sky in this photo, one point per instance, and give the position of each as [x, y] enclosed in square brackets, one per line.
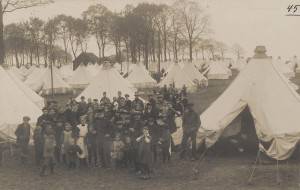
[247, 22]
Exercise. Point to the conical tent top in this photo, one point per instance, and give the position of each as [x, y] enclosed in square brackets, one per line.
[260, 52]
[106, 65]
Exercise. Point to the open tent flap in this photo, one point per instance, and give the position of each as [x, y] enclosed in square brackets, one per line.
[272, 102]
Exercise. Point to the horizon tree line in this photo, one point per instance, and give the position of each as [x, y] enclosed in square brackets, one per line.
[143, 33]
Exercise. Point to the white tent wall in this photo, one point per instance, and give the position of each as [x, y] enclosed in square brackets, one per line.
[110, 81]
[34, 97]
[218, 71]
[14, 105]
[273, 104]
[140, 77]
[190, 69]
[81, 77]
[176, 75]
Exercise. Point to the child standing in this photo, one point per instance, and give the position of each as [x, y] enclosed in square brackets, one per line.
[145, 153]
[82, 141]
[72, 155]
[49, 150]
[117, 151]
[67, 140]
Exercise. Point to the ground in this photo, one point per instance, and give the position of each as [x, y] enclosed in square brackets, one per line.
[215, 171]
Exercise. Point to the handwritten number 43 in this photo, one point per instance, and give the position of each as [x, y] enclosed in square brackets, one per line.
[292, 8]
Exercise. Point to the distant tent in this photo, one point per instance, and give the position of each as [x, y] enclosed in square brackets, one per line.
[190, 70]
[66, 71]
[93, 69]
[284, 68]
[14, 105]
[80, 78]
[217, 70]
[273, 104]
[110, 81]
[175, 75]
[84, 59]
[239, 64]
[140, 77]
[42, 83]
[17, 73]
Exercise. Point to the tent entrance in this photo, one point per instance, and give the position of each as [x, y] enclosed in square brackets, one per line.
[240, 136]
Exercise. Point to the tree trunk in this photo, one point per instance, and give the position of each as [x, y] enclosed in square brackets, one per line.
[175, 49]
[165, 45]
[2, 48]
[191, 49]
[17, 59]
[153, 46]
[159, 51]
[146, 55]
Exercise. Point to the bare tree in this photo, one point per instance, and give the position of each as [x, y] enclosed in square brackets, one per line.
[221, 48]
[9, 6]
[98, 18]
[238, 50]
[194, 21]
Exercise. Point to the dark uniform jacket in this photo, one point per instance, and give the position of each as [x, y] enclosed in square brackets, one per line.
[190, 122]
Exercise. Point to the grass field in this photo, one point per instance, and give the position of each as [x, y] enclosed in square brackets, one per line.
[217, 171]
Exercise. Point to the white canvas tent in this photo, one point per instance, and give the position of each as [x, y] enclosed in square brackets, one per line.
[190, 70]
[239, 64]
[81, 77]
[17, 73]
[42, 83]
[217, 70]
[14, 105]
[33, 96]
[176, 76]
[273, 104]
[66, 71]
[140, 77]
[110, 81]
[284, 68]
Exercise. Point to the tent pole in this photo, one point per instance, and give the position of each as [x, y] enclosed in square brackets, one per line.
[254, 168]
[197, 167]
[278, 180]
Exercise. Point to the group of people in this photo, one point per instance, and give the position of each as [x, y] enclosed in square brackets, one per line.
[112, 133]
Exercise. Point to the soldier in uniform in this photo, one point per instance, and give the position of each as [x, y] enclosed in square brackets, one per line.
[23, 136]
[137, 104]
[190, 125]
[120, 98]
[104, 100]
[82, 106]
[127, 105]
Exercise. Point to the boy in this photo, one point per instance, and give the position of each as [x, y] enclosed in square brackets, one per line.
[67, 140]
[117, 151]
[145, 153]
[49, 149]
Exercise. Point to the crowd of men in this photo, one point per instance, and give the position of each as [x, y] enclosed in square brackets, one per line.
[112, 133]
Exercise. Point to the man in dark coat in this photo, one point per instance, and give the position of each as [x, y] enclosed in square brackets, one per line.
[102, 127]
[127, 105]
[23, 136]
[190, 125]
[82, 106]
[137, 103]
[104, 100]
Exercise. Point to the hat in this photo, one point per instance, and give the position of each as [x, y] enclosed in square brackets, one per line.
[126, 95]
[26, 118]
[136, 94]
[82, 97]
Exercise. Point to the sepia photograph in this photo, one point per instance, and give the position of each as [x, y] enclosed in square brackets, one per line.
[149, 94]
